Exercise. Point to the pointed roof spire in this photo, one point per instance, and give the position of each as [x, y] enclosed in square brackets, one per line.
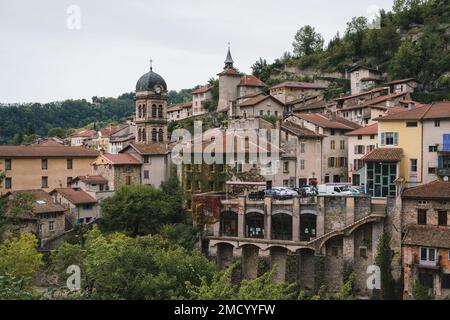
[229, 60]
[151, 65]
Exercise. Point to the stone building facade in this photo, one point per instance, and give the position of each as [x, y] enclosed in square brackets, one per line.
[314, 241]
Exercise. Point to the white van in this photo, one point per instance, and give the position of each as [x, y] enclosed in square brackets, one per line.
[334, 190]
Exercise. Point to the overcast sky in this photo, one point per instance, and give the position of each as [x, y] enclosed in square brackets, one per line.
[42, 59]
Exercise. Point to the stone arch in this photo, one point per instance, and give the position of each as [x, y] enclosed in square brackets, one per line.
[282, 211]
[254, 210]
[254, 224]
[306, 211]
[308, 225]
[281, 226]
[229, 223]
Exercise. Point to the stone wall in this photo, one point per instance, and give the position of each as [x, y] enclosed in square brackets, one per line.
[362, 207]
[334, 213]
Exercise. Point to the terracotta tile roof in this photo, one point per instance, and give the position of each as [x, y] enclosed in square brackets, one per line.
[149, 149]
[49, 143]
[427, 236]
[187, 105]
[322, 120]
[216, 139]
[298, 85]
[413, 114]
[201, 90]
[260, 98]
[298, 130]
[373, 102]
[43, 151]
[108, 131]
[433, 190]
[174, 108]
[229, 72]
[84, 133]
[120, 159]
[322, 104]
[75, 196]
[97, 179]
[42, 202]
[403, 81]
[376, 90]
[384, 154]
[394, 110]
[251, 81]
[127, 137]
[369, 130]
[438, 110]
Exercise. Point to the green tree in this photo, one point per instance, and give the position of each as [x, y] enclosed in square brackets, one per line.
[421, 292]
[12, 288]
[384, 261]
[149, 267]
[66, 255]
[20, 257]
[261, 69]
[307, 41]
[137, 210]
[406, 62]
[57, 132]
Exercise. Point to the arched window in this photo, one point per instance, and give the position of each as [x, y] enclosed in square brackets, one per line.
[144, 111]
[161, 135]
[139, 135]
[154, 111]
[140, 111]
[144, 135]
[160, 111]
[154, 135]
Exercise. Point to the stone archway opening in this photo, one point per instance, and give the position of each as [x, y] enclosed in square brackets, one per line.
[254, 225]
[281, 226]
[229, 224]
[308, 226]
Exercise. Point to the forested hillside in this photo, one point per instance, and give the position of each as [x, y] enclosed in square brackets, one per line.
[412, 40]
[38, 119]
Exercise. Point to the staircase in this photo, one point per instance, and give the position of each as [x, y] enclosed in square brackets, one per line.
[378, 213]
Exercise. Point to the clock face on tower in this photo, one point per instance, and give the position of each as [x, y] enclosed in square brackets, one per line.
[158, 89]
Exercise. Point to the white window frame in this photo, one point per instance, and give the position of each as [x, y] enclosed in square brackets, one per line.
[428, 262]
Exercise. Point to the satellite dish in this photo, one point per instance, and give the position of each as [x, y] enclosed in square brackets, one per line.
[446, 179]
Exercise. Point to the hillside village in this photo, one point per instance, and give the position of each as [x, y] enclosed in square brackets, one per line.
[345, 174]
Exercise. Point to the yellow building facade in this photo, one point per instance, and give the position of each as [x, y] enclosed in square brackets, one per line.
[407, 135]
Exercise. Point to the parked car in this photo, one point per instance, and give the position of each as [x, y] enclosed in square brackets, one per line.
[281, 193]
[332, 189]
[256, 195]
[309, 190]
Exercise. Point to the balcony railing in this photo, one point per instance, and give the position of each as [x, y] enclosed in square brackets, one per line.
[443, 148]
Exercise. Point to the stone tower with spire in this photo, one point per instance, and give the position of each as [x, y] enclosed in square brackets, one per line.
[229, 79]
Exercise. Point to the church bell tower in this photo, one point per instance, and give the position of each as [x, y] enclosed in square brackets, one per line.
[151, 109]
